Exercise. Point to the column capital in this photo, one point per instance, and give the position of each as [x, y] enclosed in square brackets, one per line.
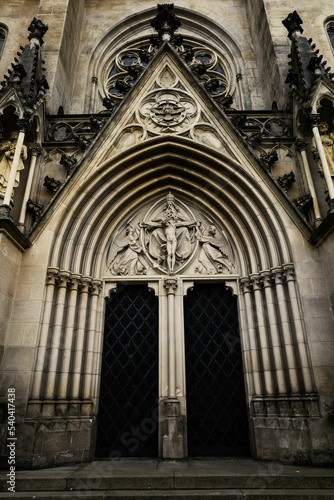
[95, 287]
[289, 272]
[278, 275]
[170, 285]
[24, 124]
[246, 284]
[63, 279]
[300, 145]
[314, 119]
[85, 283]
[74, 282]
[267, 279]
[35, 149]
[257, 282]
[52, 275]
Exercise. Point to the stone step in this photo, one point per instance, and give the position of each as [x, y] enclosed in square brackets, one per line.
[195, 479]
[163, 480]
[227, 494]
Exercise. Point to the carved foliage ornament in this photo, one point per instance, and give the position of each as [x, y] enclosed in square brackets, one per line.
[169, 238]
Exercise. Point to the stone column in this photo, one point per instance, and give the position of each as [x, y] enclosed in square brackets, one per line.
[95, 289]
[92, 102]
[245, 342]
[173, 439]
[52, 277]
[315, 118]
[247, 288]
[51, 378]
[278, 360]
[66, 353]
[278, 274]
[23, 125]
[301, 345]
[35, 151]
[262, 330]
[79, 346]
[171, 286]
[301, 146]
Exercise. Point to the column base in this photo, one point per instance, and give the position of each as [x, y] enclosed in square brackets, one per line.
[5, 212]
[174, 431]
[331, 205]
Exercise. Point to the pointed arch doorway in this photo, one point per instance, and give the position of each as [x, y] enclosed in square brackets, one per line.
[128, 416]
[217, 422]
[205, 414]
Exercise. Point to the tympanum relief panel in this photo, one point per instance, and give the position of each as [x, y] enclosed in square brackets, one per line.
[170, 238]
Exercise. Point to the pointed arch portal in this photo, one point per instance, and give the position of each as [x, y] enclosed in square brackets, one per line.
[169, 216]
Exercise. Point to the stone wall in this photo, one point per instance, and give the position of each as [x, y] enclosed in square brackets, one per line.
[230, 16]
[10, 260]
[75, 31]
[61, 49]
[272, 46]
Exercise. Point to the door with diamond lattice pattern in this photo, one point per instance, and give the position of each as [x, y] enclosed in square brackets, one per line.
[127, 421]
[216, 403]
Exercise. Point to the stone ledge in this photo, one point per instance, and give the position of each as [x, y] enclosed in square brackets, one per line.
[8, 228]
[324, 230]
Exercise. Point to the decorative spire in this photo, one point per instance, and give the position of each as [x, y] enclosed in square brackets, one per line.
[306, 65]
[26, 74]
[37, 30]
[293, 23]
[166, 22]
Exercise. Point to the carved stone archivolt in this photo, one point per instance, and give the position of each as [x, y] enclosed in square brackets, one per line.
[169, 238]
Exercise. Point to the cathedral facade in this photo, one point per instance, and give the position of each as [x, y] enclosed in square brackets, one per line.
[166, 228]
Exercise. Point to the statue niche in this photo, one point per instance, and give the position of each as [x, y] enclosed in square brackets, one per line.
[168, 238]
[327, 140]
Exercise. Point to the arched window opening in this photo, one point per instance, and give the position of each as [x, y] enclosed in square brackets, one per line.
[330, 32]
[2, 40]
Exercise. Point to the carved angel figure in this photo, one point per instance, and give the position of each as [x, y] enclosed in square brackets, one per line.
[215, 253]
[7, 150]
[125, 258]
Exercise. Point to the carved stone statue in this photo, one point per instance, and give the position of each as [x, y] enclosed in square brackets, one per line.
[168, 239]
[125, 255]
[327, 140]
[7, 150]
[215, 254]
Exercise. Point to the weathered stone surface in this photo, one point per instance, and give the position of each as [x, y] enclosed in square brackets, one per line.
[169, 134]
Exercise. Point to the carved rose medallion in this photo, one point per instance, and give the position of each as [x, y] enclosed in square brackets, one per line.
[168, 111]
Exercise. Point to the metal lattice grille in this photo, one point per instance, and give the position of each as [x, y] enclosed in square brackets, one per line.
[216, 402]
[127, 423]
